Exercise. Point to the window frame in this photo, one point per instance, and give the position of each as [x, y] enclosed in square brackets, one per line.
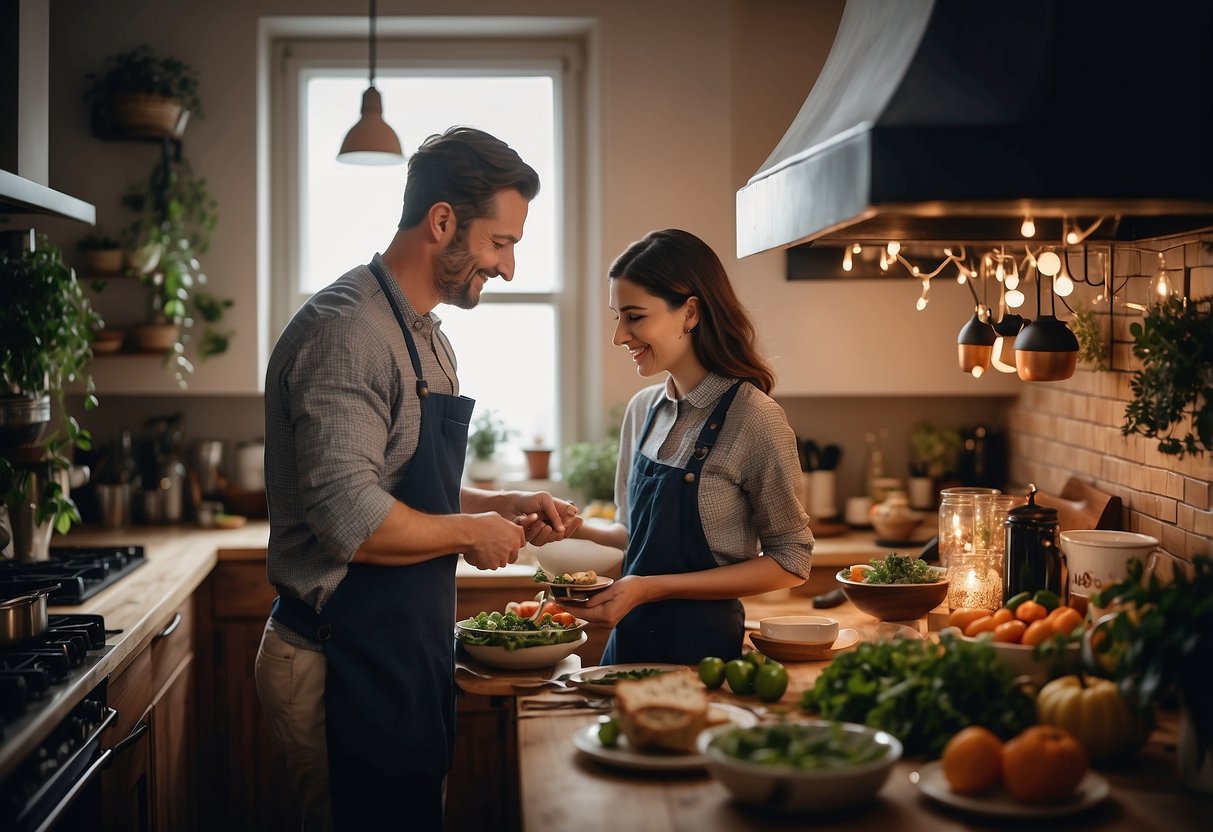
[294, 58]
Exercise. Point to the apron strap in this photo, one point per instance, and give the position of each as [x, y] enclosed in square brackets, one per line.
[423, 389]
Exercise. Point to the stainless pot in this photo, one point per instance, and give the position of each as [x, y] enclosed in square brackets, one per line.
[24, 617]
[23, 419]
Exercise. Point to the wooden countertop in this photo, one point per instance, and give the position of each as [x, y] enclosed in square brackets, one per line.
[562, 789]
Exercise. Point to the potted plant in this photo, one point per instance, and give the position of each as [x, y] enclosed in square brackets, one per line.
[1158, 645]
[538, 459]
[487, 431]
[176, 216]
[590, 467]
[102, 253]
[933, 454]
[46, 330]
[140, 94]
[1174, 342]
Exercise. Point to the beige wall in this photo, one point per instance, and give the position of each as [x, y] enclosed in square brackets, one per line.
[1072, 428]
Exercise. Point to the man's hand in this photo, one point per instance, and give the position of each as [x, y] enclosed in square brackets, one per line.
[495, 541]
[545, 518]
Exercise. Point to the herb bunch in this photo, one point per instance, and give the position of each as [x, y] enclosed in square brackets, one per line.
[900, 569]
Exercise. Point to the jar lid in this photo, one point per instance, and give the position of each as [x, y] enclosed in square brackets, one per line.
[1029, 512]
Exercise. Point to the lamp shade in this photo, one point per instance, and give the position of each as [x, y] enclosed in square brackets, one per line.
[1046, 350]
[371, 141]
[975, 345]
[1007, 329]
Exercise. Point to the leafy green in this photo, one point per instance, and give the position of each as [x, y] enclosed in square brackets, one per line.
[800, 746]
[922, 692]
[900, 569]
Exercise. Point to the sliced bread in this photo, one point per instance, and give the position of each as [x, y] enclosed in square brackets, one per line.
[662, 712]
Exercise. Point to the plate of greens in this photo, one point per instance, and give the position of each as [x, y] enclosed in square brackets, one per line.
[603, 678]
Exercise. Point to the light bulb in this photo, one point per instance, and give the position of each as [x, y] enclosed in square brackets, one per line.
[1063, 285]
[999, 272]
[1162, 285]
[1011, 281]
[1072, 238]
[921, 304]
[914, 271]
[1015, 298]
[977, 371]
[961, 275]
[1048, 263]
[846, 261]
[884, 261]
[855, 249]
[1028, 229]
[893, 247]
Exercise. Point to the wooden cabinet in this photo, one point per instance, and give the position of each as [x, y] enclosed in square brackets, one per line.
[150, 785]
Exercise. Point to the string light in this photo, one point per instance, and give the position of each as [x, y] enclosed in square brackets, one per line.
[924, 298]
[846, 261]
[893, 248]
[1161, 285]
[1048, 263]
[1063, 284]
[1075, 235]
[1028, 229]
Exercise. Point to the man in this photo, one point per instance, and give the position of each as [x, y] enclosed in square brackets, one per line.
[365, 440]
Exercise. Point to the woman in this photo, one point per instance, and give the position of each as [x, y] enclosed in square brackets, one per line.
[708, 468]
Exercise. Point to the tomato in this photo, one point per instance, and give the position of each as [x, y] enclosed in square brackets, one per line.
[1010, 632]
[740, 676]
[512, 606]
[1002, 616]
[1064, 619]
[1038, 632]
[963, 617]
[711, 671]
[1044, 764]
[552, 608]
[527, 608]
[565, 619]
[770, 682]
[1030, 611]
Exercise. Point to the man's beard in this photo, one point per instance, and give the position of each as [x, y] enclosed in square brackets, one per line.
[450, 269]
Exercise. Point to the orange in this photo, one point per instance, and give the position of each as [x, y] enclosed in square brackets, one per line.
[964, 616]
[1044, 764]
[985, 624]
[1010, 632]
[1038, 632]
[1002, 616]
[1030, 611]
[972, 760]
[1065, 619]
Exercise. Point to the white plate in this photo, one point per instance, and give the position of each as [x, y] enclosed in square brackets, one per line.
[621, 756]
[585, 677]
[523, 658]
[931, 781]
[570, 592]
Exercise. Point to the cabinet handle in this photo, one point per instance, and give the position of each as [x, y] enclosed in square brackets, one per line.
[138, 731]
[168, 631]
[80, 785]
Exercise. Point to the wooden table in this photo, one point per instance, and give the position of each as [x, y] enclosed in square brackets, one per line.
[562, 789]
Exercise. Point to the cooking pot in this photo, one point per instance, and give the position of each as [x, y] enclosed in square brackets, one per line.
[24, 617]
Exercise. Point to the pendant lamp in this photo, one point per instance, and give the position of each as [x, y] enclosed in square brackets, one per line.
[371, 141]
[975, 346]
[1006, 329]
[1045, 349]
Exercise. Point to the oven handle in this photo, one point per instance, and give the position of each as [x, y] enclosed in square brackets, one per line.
[132, 738]
[168, 631]
[89, 775]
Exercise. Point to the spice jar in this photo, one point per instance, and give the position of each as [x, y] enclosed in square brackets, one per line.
[1033, 558]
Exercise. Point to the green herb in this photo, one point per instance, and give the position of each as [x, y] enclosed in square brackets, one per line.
[512, 631]
[620, 675]
[899, 569]
[800, 746]
[922, 692]
[1091, 346]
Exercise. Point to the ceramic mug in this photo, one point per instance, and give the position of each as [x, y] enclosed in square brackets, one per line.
[1098, 558]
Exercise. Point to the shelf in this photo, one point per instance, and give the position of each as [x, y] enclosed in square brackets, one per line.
[19, 195]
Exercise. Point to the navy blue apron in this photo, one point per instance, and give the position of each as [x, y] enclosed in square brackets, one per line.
[666, 537]
[386, 632]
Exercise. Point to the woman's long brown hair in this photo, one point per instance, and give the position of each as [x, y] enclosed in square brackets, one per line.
[675, 265]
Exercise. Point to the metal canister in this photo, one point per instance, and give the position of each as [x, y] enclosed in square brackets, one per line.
[1033, 560]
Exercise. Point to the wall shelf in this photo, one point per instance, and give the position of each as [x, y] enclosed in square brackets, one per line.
[19, 195]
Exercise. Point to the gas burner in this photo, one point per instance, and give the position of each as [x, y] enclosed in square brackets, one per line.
[81, 572]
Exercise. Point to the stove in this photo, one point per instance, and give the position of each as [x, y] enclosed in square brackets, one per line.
[80, 571]
[48, 780]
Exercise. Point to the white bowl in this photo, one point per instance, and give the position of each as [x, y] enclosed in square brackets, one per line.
[523, 658]
[786, 789]
[807, 629]
[576, 555]
[1022, 660]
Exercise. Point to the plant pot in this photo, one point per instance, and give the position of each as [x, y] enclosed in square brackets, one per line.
[144, 258]
[538, 463]
[149, 116]
[104, 261]
[23, 419]
[482, 471]
[107, 341]
[156, 337]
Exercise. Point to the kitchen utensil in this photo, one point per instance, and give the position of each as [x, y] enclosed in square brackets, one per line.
[208, 466]
[541, 598]
[829, 456]
[829, 599]
[1033, 558]
[113, 504]
[811, 455]
[24, 617]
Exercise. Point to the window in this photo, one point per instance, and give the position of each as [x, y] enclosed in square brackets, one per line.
[518, 344]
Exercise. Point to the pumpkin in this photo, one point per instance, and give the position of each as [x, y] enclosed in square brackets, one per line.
[1044, 764]
[1095, 713]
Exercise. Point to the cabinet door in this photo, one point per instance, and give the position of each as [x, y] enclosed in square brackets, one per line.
[174, 767]
[126, 787]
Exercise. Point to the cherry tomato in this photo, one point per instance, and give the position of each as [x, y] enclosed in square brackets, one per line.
[527, 608]
[552, 608]
[565, 619]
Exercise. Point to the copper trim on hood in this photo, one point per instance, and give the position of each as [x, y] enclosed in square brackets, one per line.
[951, 120]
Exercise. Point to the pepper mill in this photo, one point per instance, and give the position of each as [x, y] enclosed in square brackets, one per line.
[1033, 560]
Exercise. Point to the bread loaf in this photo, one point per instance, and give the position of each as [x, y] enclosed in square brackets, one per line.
[662, 712]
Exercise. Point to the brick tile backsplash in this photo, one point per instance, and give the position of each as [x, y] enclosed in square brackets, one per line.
[1073, 428]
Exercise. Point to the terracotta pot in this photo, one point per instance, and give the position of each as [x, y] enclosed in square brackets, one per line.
[150, 116]
[103, 261]
[156, 337]
[538, 463]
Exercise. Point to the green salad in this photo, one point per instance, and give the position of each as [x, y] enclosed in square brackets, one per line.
[512, 631]
[899, 569]
[801, 746]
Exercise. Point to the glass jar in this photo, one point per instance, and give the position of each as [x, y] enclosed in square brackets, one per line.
[1033, 559]
[956, 521]
[975, 576]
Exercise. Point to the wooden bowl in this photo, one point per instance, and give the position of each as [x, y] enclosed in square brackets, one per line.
[895, 602]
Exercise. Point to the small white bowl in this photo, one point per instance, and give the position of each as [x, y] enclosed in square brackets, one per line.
[806, 629]
[577, 555]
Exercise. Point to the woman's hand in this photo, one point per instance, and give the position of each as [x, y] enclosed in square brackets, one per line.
[544, 518]
[609, 606]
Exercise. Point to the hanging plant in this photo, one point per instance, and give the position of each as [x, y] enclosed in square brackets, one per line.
[1174, 342]
[1091, 347]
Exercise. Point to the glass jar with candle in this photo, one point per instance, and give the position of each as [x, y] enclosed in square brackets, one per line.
[956, 507]
[975, 575]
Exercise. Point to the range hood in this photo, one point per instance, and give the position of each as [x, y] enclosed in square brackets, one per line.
[949, 121]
